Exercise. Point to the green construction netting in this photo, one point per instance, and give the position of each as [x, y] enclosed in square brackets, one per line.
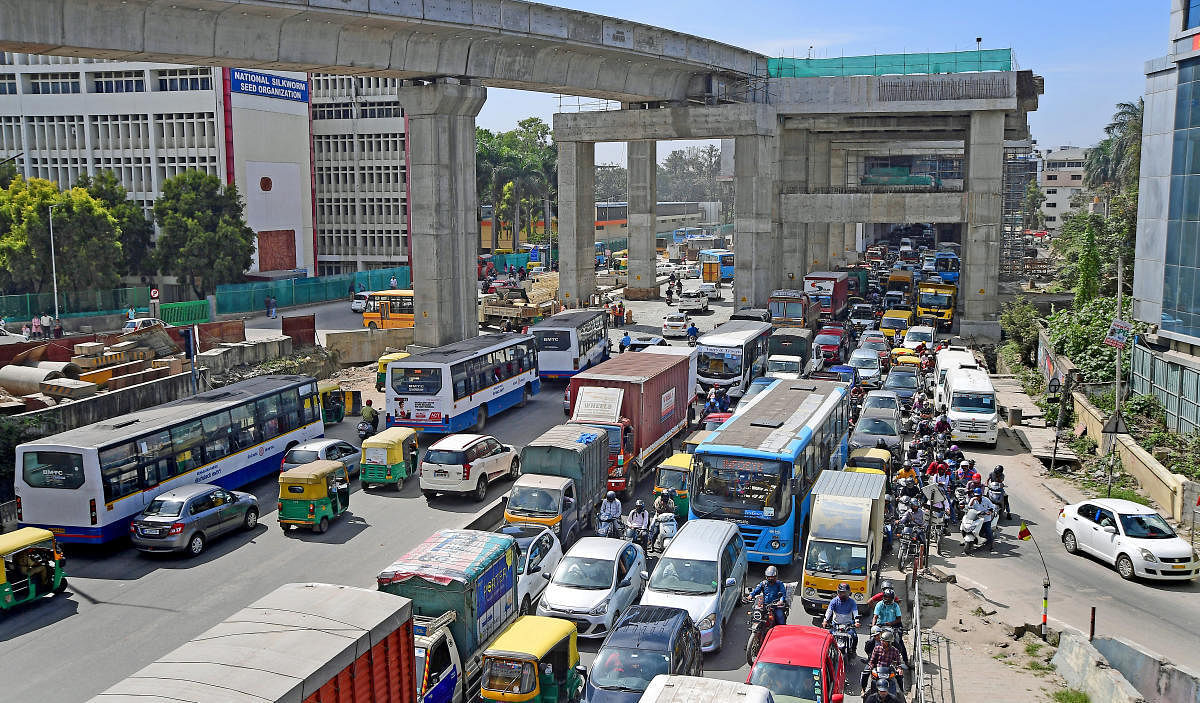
[252, 297]
[893, 64]
[15, 308]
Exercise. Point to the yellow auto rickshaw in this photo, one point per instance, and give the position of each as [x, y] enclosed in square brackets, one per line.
[872, 460]
[33, 566]
[909, 360]
[671, 476]
[388, 457]
[534, 660]
[381, 374]
[899, 352]
[313, 494]
[333, 402]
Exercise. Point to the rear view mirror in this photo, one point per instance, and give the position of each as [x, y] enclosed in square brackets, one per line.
[730, 582]
[1110, 529]
[625, 583]
[535, 569]
[645, 575]
[545, 575]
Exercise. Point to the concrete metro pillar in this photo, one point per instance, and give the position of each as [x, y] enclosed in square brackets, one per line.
[793, 178]
[757, 232]
[837, 230]
[443, 209]
[979, 292]
[818, 181]
[643, 220]
[576, 222]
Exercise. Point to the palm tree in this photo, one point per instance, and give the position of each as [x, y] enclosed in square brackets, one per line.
[492, 169]
[1125, 131]
[1099, 166]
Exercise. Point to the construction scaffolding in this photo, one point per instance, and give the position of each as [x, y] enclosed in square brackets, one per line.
[1019, 258]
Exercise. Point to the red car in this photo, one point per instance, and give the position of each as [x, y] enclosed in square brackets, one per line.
[800, 663]
[834, 345]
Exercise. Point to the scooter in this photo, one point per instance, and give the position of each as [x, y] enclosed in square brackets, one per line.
[891, 675]
[606, 527]
[845, 640]
[667, 527]
[972, 529]
[996, 494]
[365, 430]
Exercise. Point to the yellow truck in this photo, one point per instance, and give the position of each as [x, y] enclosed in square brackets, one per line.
[845, 538]
[937, 300]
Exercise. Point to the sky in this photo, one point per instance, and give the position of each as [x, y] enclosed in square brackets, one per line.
[1090, 52]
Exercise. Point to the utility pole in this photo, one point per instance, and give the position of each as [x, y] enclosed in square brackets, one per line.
[53, 264]
[1120, 284]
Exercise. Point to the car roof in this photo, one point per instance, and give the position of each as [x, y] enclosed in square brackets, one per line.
[185, 492]
[316, 444]
[457, 442]
[922, 328]
[881, 394]
[869, 353]
[1118, 505]
[796, 645]
[522, 533]
[647, 627]
[699, 539]
[597, 547]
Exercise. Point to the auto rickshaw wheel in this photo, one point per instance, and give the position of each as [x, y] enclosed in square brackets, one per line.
[62, 585]
[398, 485]
[322, 527]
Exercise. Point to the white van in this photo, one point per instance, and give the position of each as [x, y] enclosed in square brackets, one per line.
[693, 689]
[702, 571]
[948, 359]
[971, 406]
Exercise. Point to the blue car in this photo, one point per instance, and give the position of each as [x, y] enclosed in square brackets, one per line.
[647, 641]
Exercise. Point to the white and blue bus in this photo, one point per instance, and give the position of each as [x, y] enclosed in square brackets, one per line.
[461, 385]
[85, 485]
[570, 342]
[733, 355]
[758, 467]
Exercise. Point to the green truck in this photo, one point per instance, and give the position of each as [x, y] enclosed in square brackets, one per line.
[564, 474]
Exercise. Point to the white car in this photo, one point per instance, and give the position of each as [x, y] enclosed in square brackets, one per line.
[870, 371]
[664, 269]
[595, 582]
[916, 336]
[540, 553]
[710, 291]
[466, 464]
[7, 337]
[140, 323]
[359, 303]
[693, 301]
[675, 325]
[1131, 536]
[689, 271]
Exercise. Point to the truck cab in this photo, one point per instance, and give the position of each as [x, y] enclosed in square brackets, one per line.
[845, 540]
[551, 501]
[439, 667]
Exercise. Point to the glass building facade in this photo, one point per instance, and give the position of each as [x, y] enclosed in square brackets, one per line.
[1181, 265]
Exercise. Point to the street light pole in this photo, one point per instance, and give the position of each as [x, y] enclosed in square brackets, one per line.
[53, 265]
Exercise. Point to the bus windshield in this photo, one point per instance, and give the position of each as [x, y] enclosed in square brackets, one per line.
[893, 323]
[973, 402]
[410, 381]
[789, 309]
[933, 300]
[720, 363]
[741, 487]
[947, 263]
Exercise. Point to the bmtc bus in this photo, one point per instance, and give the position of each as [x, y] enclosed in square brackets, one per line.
[85, 485]
[947, 265]
[719, 264]
[461, 385]
[733, 355]
[570, 342]
[758, 467]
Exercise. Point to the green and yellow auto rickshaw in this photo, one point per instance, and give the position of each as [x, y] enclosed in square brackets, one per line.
[872, 459]
[333, 402]
[33, 566]
[381, 375]
[388, 457]
[535, 660]
[671, 477]
[313, 494]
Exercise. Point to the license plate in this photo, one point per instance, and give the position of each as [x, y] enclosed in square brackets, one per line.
[1179, 566]
[440, 473]
[150, 532]
[972, 436]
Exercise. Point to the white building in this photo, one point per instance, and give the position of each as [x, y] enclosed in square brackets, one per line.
[1061, 180]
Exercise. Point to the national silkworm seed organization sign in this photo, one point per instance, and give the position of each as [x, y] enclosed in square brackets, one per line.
[267, 85]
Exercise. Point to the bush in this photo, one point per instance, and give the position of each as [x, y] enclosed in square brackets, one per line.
[1145, 405]
[1079, 334]
[1082, 446]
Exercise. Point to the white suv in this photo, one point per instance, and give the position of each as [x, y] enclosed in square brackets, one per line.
[466, 464]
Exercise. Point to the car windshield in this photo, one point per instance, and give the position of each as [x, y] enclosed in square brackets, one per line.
[622, 669]
[885, 402]
[863, 311]
[676, 319]
[684, 576]
[787, 681]
[893, 323]
[755, 388]
[164, 507]
[1148, 526]
[587, 573]
[865, 362]
[301, 456]
[835, 558]
[919, 336]
[875, 426]
[783, 366]
[528, 500]
[973, 402]
[906, 381]
[791, 309]
[720, 363]
[877, 345]
[829, 340]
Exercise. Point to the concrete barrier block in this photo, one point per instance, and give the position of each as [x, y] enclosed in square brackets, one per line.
[68, 388]
[89, 349]
[216, 360]
[1083, 667]
[286, 345]
[233, 353]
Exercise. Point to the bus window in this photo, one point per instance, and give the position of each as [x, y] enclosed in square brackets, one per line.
[289, 410]
[216, 436]
[119, 471]
[187, 441]
[52, 469]
[267, 412]
[422, 381]
[156, 457]
[245, 429]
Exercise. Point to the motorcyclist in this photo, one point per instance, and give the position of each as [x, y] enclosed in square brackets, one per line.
[371, 415]
[843, 610]
[998, 475]
[639, 521]
[723, 400]
[881, 694]
[886, 655]
[887, 614]
[986, 509]
[693, 332]
[939, 501]
[663, 503]
[774, 594]
[610, 508]
[626, 340]
[942, 424]
[954, 453]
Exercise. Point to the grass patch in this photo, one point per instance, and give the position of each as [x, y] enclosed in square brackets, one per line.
[1039, 666]
[1032, 648]
[1070, 695]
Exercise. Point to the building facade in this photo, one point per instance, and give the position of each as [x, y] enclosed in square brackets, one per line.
[1061, 181]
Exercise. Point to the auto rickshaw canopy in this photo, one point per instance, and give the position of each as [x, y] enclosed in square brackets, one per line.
[388, 358]
[873, 458]
[312, 479]
[533, 636]
[24, 538]
[391, 439]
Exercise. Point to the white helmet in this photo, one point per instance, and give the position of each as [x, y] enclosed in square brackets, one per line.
[771, 572]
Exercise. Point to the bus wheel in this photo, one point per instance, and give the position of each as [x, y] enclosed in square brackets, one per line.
[482, 421]
[524, 398]
[372, 326]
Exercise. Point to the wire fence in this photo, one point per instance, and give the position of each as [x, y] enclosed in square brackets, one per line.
[893, 64]
[251, 297]
[16, 308]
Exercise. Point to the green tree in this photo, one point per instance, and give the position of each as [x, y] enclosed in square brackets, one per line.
[1019, 320]
[1079, 334]
[1125, 131]
[87, 248]
[204, 239]
[136, 229]
[1031, 207]
[8, 172]
[1087, 287]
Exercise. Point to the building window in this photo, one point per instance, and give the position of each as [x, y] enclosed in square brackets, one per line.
[1051, 205]
[1051, 218]
[1052, 191]
[1051, 177]
[1077, 176]
[1191, 17]
[184, 79]
[53, 83]
[8, 84]
[118, 82]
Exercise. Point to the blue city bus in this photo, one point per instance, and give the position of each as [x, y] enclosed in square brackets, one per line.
[947, 264]
[722, 257]
[758, 467]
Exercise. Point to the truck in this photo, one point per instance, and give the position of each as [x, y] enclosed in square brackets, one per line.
[563, 475]
[641, 401]
[793, 308]
[514, 306]
[281, 648]
[463, 588]
[937, 300]
[693, 356]
[831, 289]
[845, 537]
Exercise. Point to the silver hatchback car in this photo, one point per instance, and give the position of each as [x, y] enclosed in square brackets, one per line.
[184, 519]
[334, 449]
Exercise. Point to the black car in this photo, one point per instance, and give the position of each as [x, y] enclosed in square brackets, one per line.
[647, 641]
[752, 314]
[905, 382]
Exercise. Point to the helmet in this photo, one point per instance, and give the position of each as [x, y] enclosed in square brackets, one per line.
[889, 593]
[999, 469]
[640, 504]
[881, 683]
[954, 447]
[875, 630]
[887, 636]
[611, 496]
[886, 585]
[978, 492]
[844, 587]
[772, 572]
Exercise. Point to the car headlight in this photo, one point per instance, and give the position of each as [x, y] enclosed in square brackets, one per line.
[707, 622]
[555, 527]
[810, 592]
[599, 609]
[1148, 555]
[954, 424]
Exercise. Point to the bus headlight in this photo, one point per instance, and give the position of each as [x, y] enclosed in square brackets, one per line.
[776, 544]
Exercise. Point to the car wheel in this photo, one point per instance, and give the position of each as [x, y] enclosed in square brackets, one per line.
[1070, 543]
[514, 469]
[251, 519]
[322, 527]
[525, 606]
[1125, 567]
[195, 545]
[429, 495]
[481, 487]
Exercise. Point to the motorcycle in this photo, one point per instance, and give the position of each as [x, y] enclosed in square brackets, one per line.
[606, 527]
[891, 675]
[908, 546]
[638, 535]
[996, 494]
[761, 619]
[937, 525]
[667, 527]
[845, 640]
[692, 340]
[972, 529]
[365, 430]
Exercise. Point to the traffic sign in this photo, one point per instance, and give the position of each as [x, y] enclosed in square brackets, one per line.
[1115, 425]
[154, 294]
[1118, 334]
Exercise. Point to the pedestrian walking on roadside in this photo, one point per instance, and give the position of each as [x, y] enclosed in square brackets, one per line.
[267, 303]
[58, 329]
[131, 313]
[46, 321]
[274, 307]
[35, 326]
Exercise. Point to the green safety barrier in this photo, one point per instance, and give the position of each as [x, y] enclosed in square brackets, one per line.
[17, 308]
[252, 297]
[893, 64]
[189, 313]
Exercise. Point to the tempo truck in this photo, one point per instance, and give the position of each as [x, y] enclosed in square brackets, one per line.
[563, 474]
[305, 642]
[641, 402]
[845, 537]
[831, 289]
[463, 589]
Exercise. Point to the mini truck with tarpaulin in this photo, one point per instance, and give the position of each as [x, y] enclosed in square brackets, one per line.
[462, 584]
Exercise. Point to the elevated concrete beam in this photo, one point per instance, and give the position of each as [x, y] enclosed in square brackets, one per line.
[878, 123]
[849, 208]
[915, 94]
[700, 122]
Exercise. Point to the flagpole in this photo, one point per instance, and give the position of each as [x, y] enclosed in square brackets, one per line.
[1045, 579]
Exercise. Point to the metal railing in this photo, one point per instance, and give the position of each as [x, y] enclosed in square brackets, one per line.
[917, 653]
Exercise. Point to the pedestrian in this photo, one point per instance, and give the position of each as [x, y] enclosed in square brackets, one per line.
[131, 313]
[35, 326]
[392, 283]
[45, 325]
[620, 314]
[58, 329]
[25, 330]
[274, 306]
[267, 303]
